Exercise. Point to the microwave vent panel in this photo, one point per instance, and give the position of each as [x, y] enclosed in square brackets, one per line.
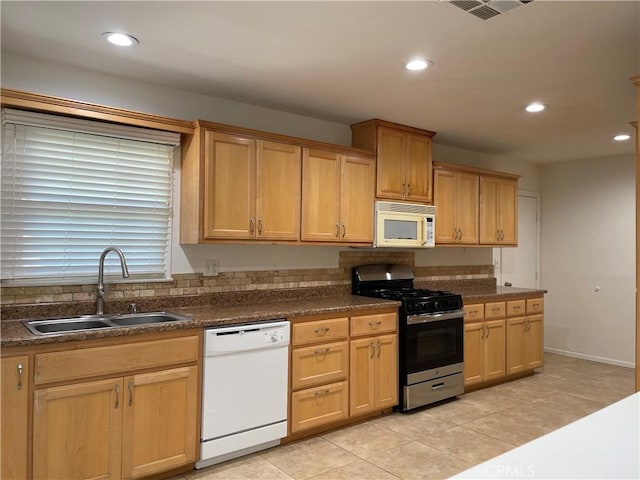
[405, 208]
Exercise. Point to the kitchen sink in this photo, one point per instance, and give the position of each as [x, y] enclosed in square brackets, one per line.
[55, 326]
[147, 318]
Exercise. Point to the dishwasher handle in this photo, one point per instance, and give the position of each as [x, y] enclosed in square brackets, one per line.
[243, 338]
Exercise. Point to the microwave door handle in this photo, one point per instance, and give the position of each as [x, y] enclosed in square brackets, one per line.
[424, 231]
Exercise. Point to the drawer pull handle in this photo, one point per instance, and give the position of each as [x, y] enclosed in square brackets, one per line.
[375, 324]
[437, 386]
[321, 331]
[321, 393]
[130, 385]
[321, 352]
[116, 387]
[20, 371]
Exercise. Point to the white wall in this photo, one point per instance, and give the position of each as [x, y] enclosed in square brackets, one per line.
[588, 244]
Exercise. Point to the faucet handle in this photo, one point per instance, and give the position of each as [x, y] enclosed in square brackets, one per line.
[133, 308]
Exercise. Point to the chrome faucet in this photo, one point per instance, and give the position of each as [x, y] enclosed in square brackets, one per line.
[125, 274]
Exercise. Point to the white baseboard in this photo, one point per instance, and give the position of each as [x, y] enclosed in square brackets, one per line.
[593, 358]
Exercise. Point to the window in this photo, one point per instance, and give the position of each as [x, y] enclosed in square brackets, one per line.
[71, 188]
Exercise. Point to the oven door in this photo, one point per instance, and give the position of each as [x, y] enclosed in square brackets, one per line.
[434, 345]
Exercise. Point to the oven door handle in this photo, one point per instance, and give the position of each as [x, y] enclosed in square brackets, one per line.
[434, 317]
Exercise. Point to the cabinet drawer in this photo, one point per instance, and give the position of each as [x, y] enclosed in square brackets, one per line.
[515, 308]
[374, 324]
[473, 313]
[494, 310]
[114, 359]
[320, 330]
[535, 305]
[319, 364]
[318, 406]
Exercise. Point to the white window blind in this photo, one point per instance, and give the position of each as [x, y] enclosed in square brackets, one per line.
[71, 188]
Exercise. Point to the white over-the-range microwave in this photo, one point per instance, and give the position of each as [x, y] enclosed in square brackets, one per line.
[409, 225]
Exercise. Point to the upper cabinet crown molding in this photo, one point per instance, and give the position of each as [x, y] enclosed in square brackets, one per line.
[403, 153]
[76, 108]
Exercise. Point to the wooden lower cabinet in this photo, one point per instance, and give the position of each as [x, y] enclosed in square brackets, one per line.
[77, 431]
[127, 426]
[373, 374]
[502, 339]
[160, 418]
[318, 406]
[524, 343]
[342, 367]
[14, 414]
[484, 351]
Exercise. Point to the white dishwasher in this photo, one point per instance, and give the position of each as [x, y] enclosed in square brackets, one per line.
[244, 390]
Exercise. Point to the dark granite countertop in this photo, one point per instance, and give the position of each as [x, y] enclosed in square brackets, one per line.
[495, 294]
[13, 333]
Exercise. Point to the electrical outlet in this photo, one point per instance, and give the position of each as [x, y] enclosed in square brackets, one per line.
[211, 267]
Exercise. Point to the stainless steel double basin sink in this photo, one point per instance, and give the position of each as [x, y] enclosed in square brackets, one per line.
[82, 323]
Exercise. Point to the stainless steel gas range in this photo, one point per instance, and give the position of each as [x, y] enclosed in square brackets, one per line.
[431, 333]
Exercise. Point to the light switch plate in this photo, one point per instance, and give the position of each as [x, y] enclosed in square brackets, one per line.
[211, 267]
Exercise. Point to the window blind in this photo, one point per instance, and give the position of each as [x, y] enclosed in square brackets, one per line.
[71, 188]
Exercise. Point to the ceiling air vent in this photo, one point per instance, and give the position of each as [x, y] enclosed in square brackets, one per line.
[486, 9]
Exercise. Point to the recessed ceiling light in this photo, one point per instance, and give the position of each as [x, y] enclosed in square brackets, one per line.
[535, 107]
[120, 39]
[622, 137]
[418, 64]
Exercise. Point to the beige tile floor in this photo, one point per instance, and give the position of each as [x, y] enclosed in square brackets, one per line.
[440, 441]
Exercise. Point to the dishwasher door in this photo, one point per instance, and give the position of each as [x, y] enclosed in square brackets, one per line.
[245, 380]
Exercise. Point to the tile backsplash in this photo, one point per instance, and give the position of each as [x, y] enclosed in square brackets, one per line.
[277, 282]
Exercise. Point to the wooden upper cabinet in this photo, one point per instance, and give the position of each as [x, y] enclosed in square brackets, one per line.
[252, 188]
[475, 206]
[404, 165]
[241, 186]
[356, 199]
[456, 202]
[320, 195]
[337, 197]
[498, 211]
[278, 173]
[229, 189]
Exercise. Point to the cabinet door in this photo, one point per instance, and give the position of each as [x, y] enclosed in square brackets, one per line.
[320, 196]
[160, 413]
[534, 341]
[418, 169]
[356, 199]
[386, 371]
[229, 186]
[516, 347]
[77, 431]
[473, 352]
[489, 210]
[466, 207]
[278, 171]
[445, 203]
[361, 376]
[390, 181]
[508, 211]
[14, 416]
[494, 350]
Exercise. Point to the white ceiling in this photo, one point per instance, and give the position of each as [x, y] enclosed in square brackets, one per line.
[344, 61]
